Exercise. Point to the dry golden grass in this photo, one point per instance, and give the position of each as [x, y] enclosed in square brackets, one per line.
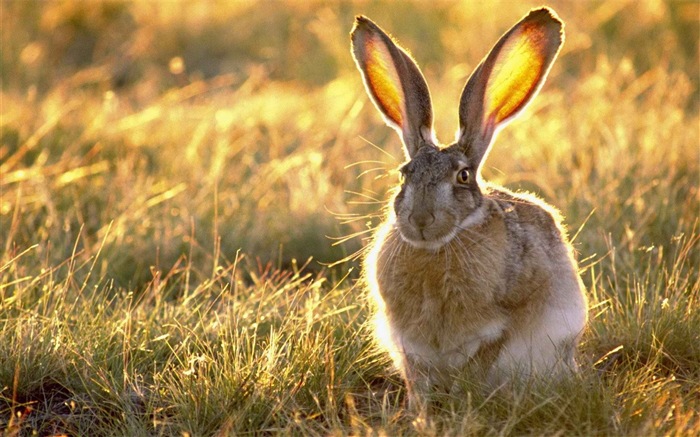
[146, 146]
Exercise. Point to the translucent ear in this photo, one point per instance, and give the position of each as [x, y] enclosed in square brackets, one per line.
[394, 83]
[507, 79]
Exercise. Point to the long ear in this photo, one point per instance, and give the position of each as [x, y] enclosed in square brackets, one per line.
[394, 83]
[507, 79]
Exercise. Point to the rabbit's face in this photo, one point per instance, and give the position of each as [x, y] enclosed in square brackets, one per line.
[439, 195]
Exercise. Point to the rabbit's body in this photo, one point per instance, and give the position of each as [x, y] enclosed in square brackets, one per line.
[465, 273]
[501, 294]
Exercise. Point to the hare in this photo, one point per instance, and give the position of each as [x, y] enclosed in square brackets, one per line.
[464, 273]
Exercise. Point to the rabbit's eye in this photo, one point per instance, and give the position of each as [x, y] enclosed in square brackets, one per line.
[463, 176]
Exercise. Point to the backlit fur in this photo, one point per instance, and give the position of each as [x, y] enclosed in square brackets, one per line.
[465, 274]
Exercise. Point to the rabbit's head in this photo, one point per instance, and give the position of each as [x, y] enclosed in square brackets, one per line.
[440, 193]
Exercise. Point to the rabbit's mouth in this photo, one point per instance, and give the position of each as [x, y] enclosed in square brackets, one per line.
[436, 235]
[432, 245]
[429, 237]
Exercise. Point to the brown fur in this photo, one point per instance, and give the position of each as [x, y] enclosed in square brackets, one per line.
[467, 275]
[482, 275]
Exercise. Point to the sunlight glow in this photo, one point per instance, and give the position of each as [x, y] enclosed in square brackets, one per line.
[384, 79]
[516, 74]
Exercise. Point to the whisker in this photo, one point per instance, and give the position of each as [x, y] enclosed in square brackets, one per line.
[379, 148]
[370, 170]
[366, 196]
[345, 238]
[367, 161]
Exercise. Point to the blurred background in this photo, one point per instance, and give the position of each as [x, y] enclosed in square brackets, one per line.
[157, 132]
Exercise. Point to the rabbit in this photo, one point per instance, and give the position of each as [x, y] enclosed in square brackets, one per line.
[464, 273]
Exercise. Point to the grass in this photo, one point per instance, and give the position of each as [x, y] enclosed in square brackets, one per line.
[174, 176]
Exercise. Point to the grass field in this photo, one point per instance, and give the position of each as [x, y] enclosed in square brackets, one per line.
[174, 178]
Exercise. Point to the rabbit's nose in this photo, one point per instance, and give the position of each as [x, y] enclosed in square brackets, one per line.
[421, 219]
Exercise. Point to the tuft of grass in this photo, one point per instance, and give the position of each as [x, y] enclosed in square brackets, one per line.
[173, 178]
